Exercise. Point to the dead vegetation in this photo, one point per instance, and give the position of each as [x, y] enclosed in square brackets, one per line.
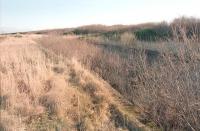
[44, 91]
[2, 38]
[79, 83]
[163, 83]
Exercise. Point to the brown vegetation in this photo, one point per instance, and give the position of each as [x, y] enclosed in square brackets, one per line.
[163, 83]
[44, 91]
[2, 38]
[94, 82]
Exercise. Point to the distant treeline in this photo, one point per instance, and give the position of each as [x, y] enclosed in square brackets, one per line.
[179, 29]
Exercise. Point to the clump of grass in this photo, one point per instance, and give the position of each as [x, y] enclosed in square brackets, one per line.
[2, 38]
[127, 38]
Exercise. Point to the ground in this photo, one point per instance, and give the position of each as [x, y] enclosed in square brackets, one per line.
[44, 91]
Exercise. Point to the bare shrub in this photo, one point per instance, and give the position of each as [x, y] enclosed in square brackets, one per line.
[185, 29]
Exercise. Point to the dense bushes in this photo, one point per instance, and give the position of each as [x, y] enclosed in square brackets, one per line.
[186, 28]
[161, 31]
[146, 35]
[163, 83]
[180, 29]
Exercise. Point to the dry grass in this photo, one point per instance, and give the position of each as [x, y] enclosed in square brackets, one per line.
[2, 38]
[24, 68]
[127, 38]
[44, 91]
[69, 47]
[163, 83]
[46, 88]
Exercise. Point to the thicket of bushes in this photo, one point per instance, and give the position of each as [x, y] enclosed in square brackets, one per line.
[180, 29]
[158, 32]
[164, 85]
[186, 28]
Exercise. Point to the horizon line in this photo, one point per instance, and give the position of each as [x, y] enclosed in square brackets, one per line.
[17, 30]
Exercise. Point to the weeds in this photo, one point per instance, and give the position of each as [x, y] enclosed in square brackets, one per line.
[163, 83]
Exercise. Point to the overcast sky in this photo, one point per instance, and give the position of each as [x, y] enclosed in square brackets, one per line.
[46, 14]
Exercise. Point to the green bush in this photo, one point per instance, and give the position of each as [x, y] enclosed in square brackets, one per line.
[153, 34]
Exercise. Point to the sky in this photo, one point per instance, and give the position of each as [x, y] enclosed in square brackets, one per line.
[25, 15]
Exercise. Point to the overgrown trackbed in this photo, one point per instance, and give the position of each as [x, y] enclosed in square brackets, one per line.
[47, 90]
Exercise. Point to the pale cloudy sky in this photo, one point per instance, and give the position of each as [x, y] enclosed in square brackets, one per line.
[44, 14]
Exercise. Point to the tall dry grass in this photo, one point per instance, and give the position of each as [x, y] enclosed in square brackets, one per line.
[164, 84]
[44, 91]
[2, 38]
